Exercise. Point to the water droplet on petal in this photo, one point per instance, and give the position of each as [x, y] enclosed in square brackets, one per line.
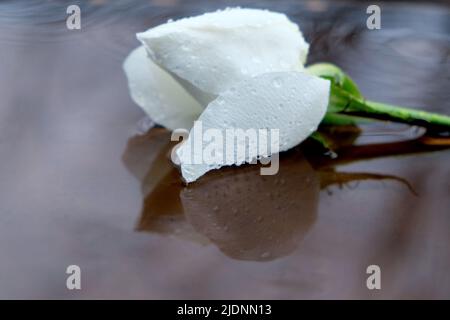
[256, 60]
[283, 64]
[276, 83]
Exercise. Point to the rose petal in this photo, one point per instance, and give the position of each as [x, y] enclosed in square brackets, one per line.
[293, 102]
[164, 100]
[216, 50]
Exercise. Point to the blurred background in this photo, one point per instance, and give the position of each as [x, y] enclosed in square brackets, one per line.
[83, 182]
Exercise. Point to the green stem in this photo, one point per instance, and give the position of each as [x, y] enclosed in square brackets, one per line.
[348, 104]
[339, 119]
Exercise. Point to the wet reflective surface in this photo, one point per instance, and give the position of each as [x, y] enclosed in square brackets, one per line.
[83, 182]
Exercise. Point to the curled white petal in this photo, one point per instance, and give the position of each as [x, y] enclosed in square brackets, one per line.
[164, 100]
[216, 50]
[292, 102]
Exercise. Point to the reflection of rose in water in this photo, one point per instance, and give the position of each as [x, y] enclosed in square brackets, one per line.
[248, 216]
[254, 217]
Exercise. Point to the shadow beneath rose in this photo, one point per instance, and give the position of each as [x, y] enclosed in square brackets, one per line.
[246, 215]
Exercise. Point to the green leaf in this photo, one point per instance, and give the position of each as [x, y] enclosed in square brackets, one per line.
[339, 119]
[321, 140]
[337, 77]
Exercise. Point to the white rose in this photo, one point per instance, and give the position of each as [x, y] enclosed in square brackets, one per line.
[239, 66]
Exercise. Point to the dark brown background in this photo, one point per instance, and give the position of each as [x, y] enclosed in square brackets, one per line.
[72, 190]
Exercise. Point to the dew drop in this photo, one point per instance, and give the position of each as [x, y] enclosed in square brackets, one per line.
[331, 154]
[276, 83]
[256, 60]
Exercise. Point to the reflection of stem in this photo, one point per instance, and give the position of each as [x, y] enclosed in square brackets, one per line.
[330, 177]
[350, 154]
